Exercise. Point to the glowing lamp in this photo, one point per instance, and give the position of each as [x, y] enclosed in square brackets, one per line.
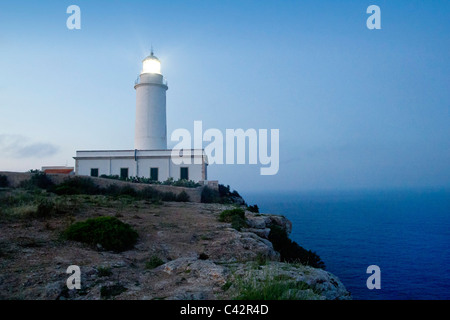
[151, 64]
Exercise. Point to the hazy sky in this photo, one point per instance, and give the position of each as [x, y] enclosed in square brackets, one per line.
[356, 108]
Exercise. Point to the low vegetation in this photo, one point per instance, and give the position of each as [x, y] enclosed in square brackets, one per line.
[235, 216]
[154, 262]
[38, 180]
[111, 233]
[16, 204]
[290, 251]
[254, 208]
[104, 272]
[107, 292]
[223, 195]
[271, 287]
[4, 181]
[169, 182]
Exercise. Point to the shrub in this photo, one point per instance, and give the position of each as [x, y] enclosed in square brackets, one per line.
[107, 292]
[223, 195]
[154, 262]
[227, 215]
[104, 272]
[238, 223]
[45, 209]
[236, 217]
[168, 196]
[112, 190]
[183, 197]
[226, 192]
[210, 196]
[111, 233]
[114, 177]
[4, 181]
[271, 288]
[77, 185]
[168, 182]
[254, 208]
[290, 251]
[149, 194]
[38, 180]
[185, 183]
[128, 191]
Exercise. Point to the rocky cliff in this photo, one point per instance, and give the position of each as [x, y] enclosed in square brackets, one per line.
[183, 252]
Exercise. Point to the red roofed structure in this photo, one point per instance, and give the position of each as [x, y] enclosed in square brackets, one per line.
[58, 170]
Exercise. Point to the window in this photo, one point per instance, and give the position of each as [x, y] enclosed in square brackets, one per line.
[154, 174]
[123, 173]
[94, 172]
[184, 173]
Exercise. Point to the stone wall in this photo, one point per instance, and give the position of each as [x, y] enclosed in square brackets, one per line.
[15, 178]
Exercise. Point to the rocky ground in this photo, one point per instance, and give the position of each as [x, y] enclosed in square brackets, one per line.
[202, 257]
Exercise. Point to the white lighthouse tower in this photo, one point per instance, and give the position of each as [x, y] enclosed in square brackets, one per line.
[151, 127]
[150, 157]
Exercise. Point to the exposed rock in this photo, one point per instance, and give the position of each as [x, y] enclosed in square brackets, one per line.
[263, 233]
[202, 257]
[258, 221]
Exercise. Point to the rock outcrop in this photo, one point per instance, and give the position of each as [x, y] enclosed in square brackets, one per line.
[202, 258]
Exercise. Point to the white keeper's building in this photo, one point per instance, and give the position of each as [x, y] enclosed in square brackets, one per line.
[150, 158]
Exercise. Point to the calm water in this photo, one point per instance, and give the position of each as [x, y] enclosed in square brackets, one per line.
[407, 234]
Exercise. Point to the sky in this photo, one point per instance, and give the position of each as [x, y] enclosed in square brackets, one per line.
[355, 108]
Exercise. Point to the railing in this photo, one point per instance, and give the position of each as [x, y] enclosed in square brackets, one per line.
[138, 81]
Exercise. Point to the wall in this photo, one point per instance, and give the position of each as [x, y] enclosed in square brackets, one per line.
[112, 167]
[15, 178]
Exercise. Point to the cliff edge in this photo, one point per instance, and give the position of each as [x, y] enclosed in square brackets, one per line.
[183, 251]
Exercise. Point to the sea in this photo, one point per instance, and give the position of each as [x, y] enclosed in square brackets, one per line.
[406, 233]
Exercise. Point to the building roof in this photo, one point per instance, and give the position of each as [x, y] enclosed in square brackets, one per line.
[58, 170]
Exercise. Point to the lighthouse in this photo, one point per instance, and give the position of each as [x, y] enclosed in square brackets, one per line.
[150, 157]
[151, 126]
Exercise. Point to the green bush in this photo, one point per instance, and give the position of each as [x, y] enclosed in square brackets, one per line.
[290, 251]
[254, 208]
[271, 288]
[226, 192]
[154, 262]
[227, 215]
[236, 217]
[185, 183]
[210, 196]
[128, 191]
[38, 180]
[149, 193]
[168, 196]
[107, 292]
[183, 197]
[168, 182]
[223, 195]
[4, 181]
[104, 272]
[77, 185]
[238, 223]
[45, 209]
[111, 233]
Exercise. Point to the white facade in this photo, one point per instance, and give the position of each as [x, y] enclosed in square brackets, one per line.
[150, 159]
[138, 163]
